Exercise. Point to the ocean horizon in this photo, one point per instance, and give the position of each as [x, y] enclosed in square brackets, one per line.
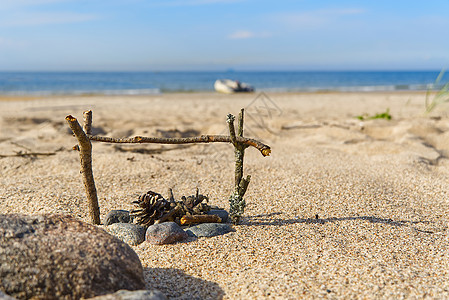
[157, 82]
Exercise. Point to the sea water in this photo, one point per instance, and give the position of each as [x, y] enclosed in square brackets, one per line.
[142, 83]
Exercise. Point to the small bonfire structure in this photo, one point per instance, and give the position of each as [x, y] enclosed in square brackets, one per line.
[153, 208]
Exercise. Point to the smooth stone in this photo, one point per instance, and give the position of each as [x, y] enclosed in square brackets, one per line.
[117, 216]
[3, 296]
[165, 233]
[224, 215]
[133, 295]
[208, 229]
[131, 234]
[60, 257]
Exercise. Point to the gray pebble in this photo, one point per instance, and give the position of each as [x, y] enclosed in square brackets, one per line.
[117, 216]
[165, 233]
[3, 296]
[208, 229]
[133, 295]
[129, 233]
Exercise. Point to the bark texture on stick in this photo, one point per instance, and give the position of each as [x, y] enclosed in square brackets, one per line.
[87, 122]
[196, 219]
[239, 152]
[85, 149]
[264, 149]
[28, 154]
[236, 201]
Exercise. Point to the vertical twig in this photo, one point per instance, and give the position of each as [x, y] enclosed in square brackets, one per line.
[87, 121]
[230, 120]
[240, 125]
[239, 152]
[236, 201]
[171, 197]
[86, 164]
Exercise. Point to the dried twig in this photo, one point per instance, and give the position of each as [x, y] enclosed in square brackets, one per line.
[28, 154]
[195, 219]
[87, 127]
[171, 197]
[264, 149]
[21, 146]
[85, 149]
[236, 201]
[171, 214]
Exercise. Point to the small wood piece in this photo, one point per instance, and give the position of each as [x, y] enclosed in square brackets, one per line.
[171, 197]
[168, 216]
[230, 120]
[240, 124]
[236, 201]
[86, 168]
[239, 152]
[264, 149]
[195, 219]
[87, 121]
[28, 154]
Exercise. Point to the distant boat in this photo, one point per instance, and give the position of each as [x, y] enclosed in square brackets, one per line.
[229, 86]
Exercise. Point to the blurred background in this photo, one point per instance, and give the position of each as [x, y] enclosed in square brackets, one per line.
[167, 46]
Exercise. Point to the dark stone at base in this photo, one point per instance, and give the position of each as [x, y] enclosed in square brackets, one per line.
[165, 233]
[132, 234]
[208, 229]
[58, 257]
[3, 296]
[133, 295]
[224, 215]
[117, 216]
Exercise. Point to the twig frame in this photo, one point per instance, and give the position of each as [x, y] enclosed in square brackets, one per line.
[85, 137]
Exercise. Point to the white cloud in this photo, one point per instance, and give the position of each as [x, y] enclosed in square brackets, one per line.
[14, 4]
[4, 42]
[199, 2]
[241, 35]
[12, 44]
[344, 11]
[194, 2]
[246, 34]
[35, 18]
[316, 18]
[26, 13]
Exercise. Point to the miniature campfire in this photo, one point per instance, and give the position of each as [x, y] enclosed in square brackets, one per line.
[154, 209]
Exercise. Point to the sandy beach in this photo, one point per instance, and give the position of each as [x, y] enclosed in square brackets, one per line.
[342, 209]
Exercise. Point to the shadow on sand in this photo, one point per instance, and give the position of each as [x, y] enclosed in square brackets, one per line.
[266, 220]
[176, 284]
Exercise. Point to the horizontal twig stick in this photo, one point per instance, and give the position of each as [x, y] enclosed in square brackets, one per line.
[264, 149]
[188, 220]
[28, 154]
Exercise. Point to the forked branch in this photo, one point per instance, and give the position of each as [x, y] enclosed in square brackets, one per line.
[85, 149]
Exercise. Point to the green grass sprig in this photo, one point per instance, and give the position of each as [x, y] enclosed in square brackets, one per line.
[442, 96]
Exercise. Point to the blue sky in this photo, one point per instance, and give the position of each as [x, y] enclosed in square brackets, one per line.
[222, 34]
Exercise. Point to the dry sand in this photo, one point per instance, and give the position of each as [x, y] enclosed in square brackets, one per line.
[342, 209]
